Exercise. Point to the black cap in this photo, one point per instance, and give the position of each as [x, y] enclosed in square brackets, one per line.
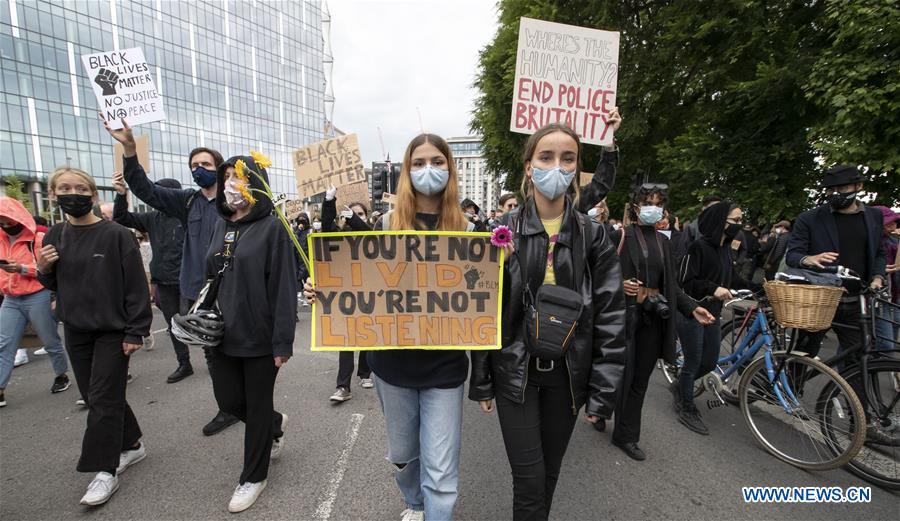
[842, 175]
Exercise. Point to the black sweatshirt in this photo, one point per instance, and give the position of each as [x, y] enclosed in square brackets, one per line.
[99, 280]
[258, 292]
[420, 368]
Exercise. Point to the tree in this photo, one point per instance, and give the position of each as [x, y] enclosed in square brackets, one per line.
[715, 96]
[15, 188]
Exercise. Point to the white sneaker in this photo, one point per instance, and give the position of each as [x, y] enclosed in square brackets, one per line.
[245, 495]
[129, 457]
[81, 402]
[21, 357]
[366, 383]
[41, 351]
[341, 395]
[278, 443]
[412, 515]
[101, 489]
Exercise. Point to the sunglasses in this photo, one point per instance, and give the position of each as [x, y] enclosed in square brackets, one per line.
[654, 186]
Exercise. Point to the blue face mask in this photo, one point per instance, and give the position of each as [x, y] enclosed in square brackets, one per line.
[203, 177]
[650, 214]
[551, 183]
[429, 180]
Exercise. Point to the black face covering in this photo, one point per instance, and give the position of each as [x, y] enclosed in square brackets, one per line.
[15, 229]
[731, 231]
[76, 205]
[840, 201]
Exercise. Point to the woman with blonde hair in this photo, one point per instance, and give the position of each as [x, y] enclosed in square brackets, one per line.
[421, 392]
[103, 301]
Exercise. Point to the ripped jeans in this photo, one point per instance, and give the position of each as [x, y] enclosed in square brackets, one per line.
[423, 433]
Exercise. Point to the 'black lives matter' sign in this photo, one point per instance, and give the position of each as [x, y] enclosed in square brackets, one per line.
[124, 87]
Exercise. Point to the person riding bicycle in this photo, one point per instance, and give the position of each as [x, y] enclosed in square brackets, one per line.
[843, 232]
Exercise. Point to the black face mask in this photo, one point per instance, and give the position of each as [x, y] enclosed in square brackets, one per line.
[840, 201]
[15, 229]
[76, 205]
[731, 230]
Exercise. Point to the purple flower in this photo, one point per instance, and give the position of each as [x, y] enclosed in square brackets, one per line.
[501, 236]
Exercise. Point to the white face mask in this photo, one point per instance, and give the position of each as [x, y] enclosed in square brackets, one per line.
[429, 180]
[233, 196]
[317, 226]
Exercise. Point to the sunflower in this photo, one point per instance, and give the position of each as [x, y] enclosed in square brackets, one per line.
[261, 160]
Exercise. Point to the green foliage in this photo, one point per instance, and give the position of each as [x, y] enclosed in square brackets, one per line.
[15, 188]
[718, 96]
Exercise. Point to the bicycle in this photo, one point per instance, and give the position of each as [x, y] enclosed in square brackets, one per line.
[772, 388]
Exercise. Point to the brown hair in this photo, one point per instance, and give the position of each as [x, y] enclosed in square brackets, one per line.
[365, 208]
[404, 215]
[217, 157]
[59, 172]
[531, 147]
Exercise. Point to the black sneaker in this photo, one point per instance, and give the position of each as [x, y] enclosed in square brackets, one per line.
[221, 422]
[183, 371]
[60, 384]
[690, 418]
[2, 400]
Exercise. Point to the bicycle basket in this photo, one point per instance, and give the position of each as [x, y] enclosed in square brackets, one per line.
[803, 306]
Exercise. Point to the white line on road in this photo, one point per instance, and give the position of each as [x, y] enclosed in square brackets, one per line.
[323, 512]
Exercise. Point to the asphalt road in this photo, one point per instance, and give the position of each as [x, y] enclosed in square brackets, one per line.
[333, 466]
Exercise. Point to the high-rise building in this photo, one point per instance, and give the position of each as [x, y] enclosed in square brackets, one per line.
[475, 180]
[234, 76]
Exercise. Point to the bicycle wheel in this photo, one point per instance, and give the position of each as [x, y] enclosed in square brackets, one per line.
[878, 462]
[787, 419]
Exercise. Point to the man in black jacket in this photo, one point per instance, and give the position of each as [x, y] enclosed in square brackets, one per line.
[842, 232]
[166, 242]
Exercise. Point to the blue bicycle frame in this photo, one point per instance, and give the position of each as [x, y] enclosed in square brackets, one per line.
[761, 336]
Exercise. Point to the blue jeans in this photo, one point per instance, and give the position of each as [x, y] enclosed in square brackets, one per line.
[700, 345]
[885, 331]
[423, 434]
[15, 313]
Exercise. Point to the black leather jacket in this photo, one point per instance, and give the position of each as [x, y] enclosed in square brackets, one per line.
[595, 361]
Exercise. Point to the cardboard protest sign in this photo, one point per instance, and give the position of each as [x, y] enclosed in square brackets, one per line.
[354, 193]
[143, 153]
[335, 162]
[293, 209]
[396, 290]
[124, 87]
[565, 73]
[390, 199]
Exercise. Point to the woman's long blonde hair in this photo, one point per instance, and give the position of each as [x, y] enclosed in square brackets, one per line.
[404, 215]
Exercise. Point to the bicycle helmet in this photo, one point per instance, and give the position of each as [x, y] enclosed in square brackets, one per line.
[202, 327]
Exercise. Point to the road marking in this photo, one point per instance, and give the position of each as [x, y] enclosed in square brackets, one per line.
[323, 512]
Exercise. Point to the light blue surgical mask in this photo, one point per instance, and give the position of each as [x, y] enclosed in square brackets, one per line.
[551, 183]
[429, 180]
[650, 214]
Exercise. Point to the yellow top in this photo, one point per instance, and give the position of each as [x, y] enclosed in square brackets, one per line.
[551, 226]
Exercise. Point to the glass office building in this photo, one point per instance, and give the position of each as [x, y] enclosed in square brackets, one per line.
[233, 75]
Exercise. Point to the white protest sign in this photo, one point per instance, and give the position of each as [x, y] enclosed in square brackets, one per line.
[124, 87]
[567, 74]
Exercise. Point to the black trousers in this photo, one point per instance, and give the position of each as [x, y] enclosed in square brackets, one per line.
[641, 355]
[169, 304]
[345, 367]
[536, 434]
[244, 388]
[848, 337]
[101, 372]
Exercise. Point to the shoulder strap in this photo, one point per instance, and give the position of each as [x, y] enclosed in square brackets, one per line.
[36, 244]
[386, 221]
[621, 241]
[191, 199]
[582, 260]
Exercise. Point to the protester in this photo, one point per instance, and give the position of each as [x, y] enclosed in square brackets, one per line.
[103, 302]
[652, 294]
[539, 389]
[691, 232]
[508, 203]
[421, 391]
[197, 212]
[355, 220]
[887, 322]
[301, 231]
[253, 268]
[707, 272]
[600, 214]
[472, 213]
[166, 243]
[24, 298]
[41, 224]
[774, 247]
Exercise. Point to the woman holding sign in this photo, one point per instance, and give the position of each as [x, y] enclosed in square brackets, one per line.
[421, 391]
[563, 324]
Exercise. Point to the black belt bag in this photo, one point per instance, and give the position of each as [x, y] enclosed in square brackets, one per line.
[551, 317]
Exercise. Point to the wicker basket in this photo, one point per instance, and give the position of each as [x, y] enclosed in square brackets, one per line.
[802, 305]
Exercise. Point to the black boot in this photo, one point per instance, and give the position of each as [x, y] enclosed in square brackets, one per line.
[183, 371]
[631, 449]
[222, 421]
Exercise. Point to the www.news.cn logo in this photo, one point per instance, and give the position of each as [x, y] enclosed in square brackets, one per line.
[807, 494]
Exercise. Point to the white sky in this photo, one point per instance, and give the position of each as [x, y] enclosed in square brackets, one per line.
[391, 56]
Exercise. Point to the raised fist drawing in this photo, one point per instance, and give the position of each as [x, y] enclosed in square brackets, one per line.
[472, 276]
[107, 80]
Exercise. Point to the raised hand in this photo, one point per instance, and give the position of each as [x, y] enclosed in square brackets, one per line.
[118, 183]
[123, 135]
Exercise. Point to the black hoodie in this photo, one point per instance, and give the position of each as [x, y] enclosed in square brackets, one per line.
[258, 292]
[707, 265]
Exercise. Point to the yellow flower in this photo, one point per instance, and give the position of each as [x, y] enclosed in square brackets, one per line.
[261, 160]
[239, 167]
[242, 188]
